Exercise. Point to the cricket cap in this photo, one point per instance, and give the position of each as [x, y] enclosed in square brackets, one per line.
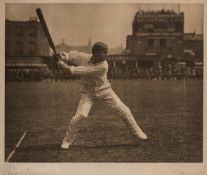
[99, 46]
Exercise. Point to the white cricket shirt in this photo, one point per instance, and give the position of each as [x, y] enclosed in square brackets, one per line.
[93, 76]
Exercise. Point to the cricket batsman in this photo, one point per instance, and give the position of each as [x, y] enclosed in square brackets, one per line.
[94, 87]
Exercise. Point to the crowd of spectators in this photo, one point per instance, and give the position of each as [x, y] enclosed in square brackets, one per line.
[169, 71]
[157, 71]
[35, 74]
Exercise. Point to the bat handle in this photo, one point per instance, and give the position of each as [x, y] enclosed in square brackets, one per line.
[54, 50]
[56, 57]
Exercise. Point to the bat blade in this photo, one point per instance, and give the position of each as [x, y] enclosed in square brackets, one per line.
[45, 28]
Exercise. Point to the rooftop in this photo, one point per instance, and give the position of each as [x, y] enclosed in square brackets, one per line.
[158, 12]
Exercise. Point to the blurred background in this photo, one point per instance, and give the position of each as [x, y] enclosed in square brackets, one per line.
[146, 41]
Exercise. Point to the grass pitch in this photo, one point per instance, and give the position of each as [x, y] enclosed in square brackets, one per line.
[170, 112]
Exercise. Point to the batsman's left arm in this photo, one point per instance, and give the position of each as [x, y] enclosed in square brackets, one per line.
[83, 70]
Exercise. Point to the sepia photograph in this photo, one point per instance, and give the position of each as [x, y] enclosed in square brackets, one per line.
[104, 83]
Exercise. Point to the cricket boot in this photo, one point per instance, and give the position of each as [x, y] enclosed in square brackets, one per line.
[65, 144]
[141, 135]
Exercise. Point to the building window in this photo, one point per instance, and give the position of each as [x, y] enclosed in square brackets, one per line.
[140, 29]
[149, 27]
[7, 48]
[179, 42]
[32, 47]
[156, 43]
[151, 42]
[178, 27]
[171, 28]
[162, 42]
[169, 43]
[139, 42]
[19, 47]
[6, 30]
[19, 31]
[32, 31]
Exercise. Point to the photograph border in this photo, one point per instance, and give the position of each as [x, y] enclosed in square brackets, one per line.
[97, 168]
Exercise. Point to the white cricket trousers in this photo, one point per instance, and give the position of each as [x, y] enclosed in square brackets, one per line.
[108, 97]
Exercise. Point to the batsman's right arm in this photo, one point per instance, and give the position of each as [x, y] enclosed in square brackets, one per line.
[76, 58]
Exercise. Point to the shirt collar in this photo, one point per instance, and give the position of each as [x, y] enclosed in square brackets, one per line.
[92, 61]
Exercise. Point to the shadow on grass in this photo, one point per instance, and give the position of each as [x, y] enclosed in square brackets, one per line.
[56, 146]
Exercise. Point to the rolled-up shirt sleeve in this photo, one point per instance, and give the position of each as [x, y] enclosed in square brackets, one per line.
[88, 70]
[77, 58]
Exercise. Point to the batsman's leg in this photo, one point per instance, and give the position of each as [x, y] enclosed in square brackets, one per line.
[112, 100]
[84, 107]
